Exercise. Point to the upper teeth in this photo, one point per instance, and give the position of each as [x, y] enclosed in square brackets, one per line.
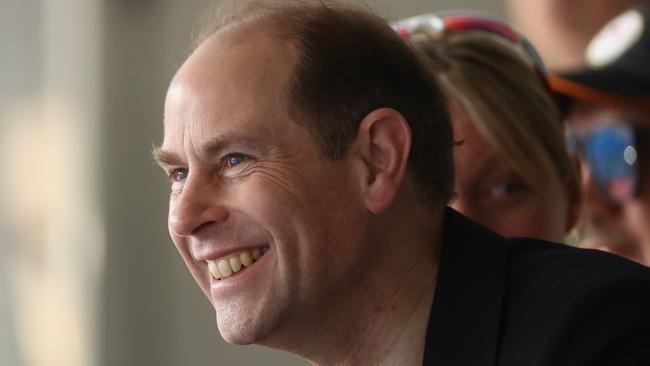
[225, 267]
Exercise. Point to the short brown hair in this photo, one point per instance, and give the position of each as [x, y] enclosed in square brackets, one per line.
[350, 63]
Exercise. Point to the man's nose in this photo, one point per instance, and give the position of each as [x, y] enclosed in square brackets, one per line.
[196, 207]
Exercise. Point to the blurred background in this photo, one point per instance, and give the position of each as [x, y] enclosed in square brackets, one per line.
[88, 274]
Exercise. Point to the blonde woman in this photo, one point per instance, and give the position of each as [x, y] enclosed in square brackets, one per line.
[513, 173]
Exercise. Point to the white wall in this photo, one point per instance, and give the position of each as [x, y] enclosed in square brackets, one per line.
[51, 239]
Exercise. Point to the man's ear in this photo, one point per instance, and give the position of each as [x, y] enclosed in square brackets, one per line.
[383, 143]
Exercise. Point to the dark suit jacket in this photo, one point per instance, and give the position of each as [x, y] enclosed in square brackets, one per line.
[521, 302]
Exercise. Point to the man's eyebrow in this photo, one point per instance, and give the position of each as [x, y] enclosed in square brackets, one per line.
[211, 148]
[214, 146]
[164, 157]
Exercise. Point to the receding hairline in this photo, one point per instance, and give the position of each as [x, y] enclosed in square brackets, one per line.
[229, 17]
[345, 40]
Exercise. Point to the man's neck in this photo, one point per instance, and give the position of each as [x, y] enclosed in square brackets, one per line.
[404, 341]
[409, 348]
[390, 328]
[383, 320]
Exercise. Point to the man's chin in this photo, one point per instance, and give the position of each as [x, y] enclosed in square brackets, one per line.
[236, 335]
[240, 330]
[237, 339]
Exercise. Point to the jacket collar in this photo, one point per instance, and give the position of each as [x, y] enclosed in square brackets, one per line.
[466, 312]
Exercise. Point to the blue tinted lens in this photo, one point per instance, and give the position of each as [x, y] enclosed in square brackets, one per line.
[612, 155]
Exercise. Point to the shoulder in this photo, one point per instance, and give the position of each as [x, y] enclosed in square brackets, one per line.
[531, 302]
[574, 306]
[566, 270]
[607, 323]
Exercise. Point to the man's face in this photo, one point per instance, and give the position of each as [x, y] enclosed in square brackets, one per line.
[617, 225]
[269, 229]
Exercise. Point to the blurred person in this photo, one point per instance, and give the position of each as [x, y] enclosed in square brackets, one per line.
[309, 152]
[513, 172]
[561, 29]
[608, 110]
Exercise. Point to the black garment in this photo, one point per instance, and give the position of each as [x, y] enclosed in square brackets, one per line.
[520, 302]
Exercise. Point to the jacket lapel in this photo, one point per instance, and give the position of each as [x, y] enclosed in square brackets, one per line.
[465, 317]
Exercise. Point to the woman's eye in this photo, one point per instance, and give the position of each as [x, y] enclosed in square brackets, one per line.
[235, 159]
[507, 189]
[179, 174]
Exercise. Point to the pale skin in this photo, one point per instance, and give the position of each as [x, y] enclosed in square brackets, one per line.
[350, 253]
[494, 195]
[619, 227]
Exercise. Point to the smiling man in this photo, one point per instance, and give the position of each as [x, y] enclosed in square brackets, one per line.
[289, 219]
[310, 157]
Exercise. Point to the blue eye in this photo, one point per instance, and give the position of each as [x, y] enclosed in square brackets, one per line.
[235, 159]
[179, 175]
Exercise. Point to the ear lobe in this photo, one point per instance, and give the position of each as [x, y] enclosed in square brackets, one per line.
[385, 141]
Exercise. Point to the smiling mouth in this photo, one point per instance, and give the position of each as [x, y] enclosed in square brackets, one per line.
[237, 262]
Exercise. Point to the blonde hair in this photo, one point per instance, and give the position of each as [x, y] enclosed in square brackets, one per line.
[506, 99]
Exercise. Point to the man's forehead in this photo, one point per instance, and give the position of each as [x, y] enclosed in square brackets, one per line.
[229, 75]
[223, 77]
[246, 47]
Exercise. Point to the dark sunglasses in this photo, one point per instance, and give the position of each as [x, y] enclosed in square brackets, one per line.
[610, 149]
